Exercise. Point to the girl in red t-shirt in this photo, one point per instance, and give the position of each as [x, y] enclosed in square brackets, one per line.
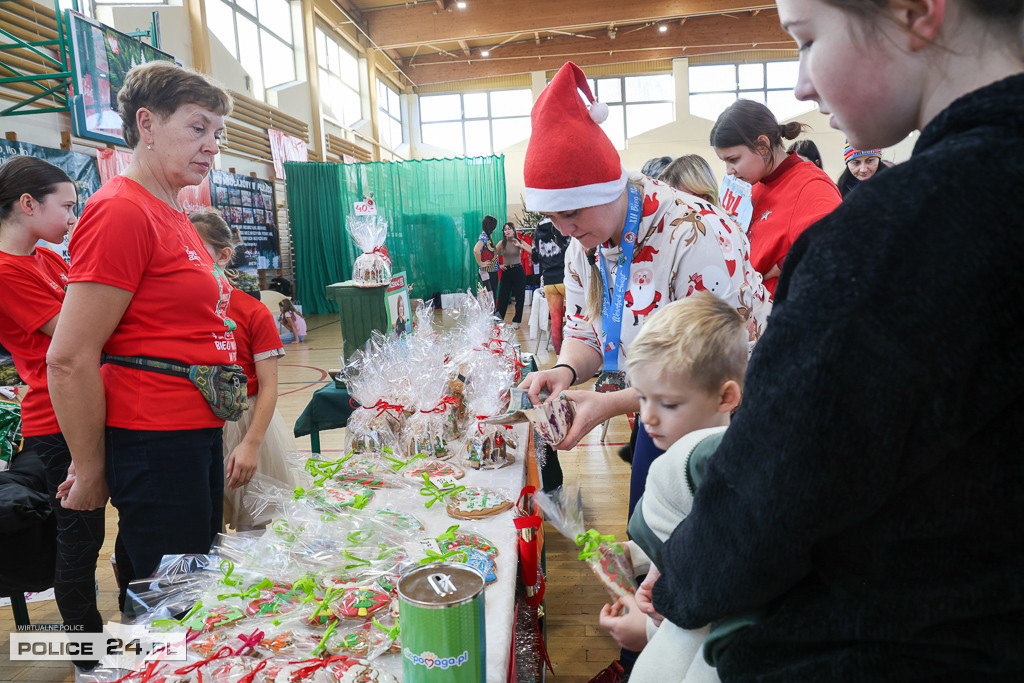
[37, 202]
[789, 194]
[259, 440]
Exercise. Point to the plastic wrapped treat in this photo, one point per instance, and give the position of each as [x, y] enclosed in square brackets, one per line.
[373, 267]
[602, 554]
[488, 445]
[432, 424]
[377, 423]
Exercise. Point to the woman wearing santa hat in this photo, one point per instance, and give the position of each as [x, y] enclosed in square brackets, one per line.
[637, 244]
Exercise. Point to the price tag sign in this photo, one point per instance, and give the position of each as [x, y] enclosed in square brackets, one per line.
[734, 197]
[365, 208]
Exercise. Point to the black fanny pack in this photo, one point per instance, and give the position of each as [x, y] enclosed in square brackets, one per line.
[223, 386]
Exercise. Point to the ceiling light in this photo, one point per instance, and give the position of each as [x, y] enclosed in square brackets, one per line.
[485, 53]
[611, 34]
[663, 28]
[460, 4]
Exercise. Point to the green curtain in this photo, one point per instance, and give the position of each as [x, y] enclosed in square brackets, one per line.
[434, 208]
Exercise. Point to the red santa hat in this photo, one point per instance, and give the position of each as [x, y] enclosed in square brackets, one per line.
[570, 162]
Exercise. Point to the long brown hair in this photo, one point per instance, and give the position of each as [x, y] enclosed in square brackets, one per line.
[27, 175]
[595, 291]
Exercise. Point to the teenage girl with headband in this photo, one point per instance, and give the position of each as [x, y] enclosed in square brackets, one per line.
[867, 497]
[38, 202]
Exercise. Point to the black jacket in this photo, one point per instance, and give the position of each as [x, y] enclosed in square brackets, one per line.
[28, 529]
[870, 491]
[549, 247]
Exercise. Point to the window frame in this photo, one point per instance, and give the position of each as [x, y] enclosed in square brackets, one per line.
[386, 111]
[236, 50]
[326, 75]
[740, 92]
[462, 119]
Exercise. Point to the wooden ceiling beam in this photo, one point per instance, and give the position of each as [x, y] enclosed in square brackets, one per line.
[465, 48]
[701, 32]
[487, 68]
[421, 23]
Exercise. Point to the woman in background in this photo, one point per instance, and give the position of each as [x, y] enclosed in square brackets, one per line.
[808, 151]
[788, 194]
[861, 165]
[513, 277]
[485, 253]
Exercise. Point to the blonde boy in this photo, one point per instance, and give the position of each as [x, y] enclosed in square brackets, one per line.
[687, 364]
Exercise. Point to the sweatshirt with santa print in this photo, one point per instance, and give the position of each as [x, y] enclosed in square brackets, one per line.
[684, 245]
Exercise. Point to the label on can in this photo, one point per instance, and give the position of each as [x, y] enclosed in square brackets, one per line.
[441, 608]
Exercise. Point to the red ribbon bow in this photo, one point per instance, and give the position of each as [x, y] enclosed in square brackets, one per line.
[143, 675]
[251, 676]
[453, 401]
[249, 642]
[222, 653]
[306, 671]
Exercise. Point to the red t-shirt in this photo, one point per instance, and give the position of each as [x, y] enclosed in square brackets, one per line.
[256, 333]
[796, 195]
[129, 239]
[33, 291]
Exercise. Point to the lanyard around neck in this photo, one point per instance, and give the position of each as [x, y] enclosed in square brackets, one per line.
[613, 303]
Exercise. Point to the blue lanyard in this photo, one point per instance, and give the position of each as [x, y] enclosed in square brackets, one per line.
[611, 310]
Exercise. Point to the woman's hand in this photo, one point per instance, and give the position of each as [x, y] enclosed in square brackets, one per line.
[241, 464]
[83, 493]
[625, 623]
[592, 408]
[554, 381]
[645, 596]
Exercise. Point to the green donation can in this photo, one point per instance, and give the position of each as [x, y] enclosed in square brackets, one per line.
[441, 607]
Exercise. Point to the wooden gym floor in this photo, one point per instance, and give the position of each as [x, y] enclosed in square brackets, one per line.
[578, 647]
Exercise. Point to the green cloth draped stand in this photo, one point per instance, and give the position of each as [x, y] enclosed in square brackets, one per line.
[433, 207]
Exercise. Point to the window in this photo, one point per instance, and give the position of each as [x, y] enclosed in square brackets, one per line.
[339, 79]
[390, 119]
[636, 104]
[715, 87]
[259, 35]
[476, 124]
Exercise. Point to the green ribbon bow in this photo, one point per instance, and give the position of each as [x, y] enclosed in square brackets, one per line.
[328, 596]
[299, 493]
[591, 542]
[307, 586]
[323, 642]
[392, 632]
[359, 537]
[251, 592]
[227, 568]
[171, 623]
[321, 470]
[285, 530]
[449, 534]
[459, 555]
[357, 561]
[435, 494]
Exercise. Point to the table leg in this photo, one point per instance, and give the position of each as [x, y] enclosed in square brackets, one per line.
[314, 441]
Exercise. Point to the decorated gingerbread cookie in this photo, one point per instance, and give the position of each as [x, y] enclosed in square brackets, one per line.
[352, 670]
[209, 618]
[273, 602]
[359, 603]
[466, 539]
[474, 503]
[402, 521]
[611, 570]
[433, 469]
[332, 498]
[353, 642]
[349, 478]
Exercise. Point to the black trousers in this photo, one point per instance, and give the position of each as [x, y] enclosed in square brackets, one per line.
[79, 539]
[513, 283]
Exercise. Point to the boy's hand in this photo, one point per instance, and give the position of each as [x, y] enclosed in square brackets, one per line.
[625, 623]
[645, 595]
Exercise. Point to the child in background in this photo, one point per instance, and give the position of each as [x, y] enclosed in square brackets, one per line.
[258, 441]
[293, 323]
[687, 364]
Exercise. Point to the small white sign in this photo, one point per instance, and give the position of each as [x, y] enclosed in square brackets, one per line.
[734, 198]
[365, 208]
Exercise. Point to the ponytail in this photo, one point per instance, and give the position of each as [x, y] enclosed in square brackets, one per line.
[595, 292]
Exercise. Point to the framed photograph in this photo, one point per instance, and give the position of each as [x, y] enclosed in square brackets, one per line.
[100, 58]
[399, 312]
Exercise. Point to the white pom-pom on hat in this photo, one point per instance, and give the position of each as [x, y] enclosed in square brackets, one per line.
[599, 112]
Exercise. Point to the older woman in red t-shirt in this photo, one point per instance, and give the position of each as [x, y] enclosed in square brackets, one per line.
[143, 285]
